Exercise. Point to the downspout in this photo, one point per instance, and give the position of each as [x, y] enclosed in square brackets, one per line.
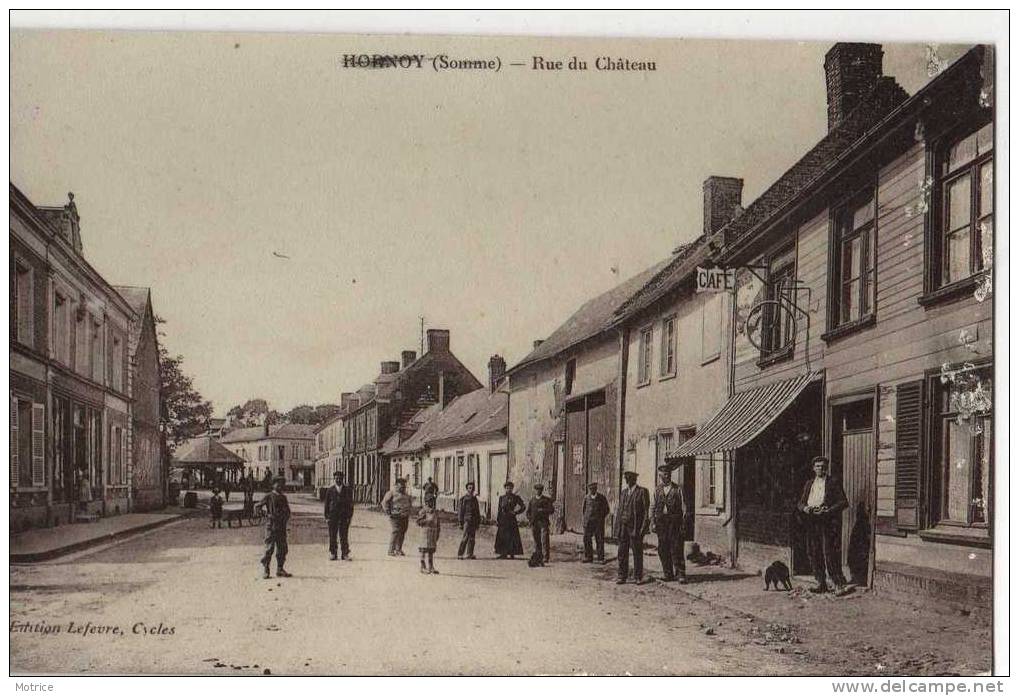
[624, 357]
[730, 461]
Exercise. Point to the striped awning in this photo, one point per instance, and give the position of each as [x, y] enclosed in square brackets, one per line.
[744, 417]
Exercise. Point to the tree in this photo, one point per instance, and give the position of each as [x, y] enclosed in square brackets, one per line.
[310, 415]
[183, 413]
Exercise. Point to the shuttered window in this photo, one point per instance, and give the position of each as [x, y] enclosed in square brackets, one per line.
[14, 441]
[38, 445]
[908, 454]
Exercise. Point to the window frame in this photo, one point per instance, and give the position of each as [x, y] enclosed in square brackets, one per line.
[645, 344]
[769, 353]
[936, 290]
[669, 348]
[841, 234]
[569, 376]
[28, 340]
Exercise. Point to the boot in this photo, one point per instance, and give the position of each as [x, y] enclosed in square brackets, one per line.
[265, 571]
[280, 573]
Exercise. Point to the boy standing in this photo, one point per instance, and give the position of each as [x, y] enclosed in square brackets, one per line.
[215, 510]
[277, 512]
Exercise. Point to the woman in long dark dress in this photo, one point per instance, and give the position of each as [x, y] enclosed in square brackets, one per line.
[507, 538]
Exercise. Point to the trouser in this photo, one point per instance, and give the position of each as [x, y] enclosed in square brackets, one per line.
[631, 540]
[275, 540]
[594, 530]
[339, 526]
[824, 548]
[670, 546]
[399, 531]
[467, 542]
[542, 542]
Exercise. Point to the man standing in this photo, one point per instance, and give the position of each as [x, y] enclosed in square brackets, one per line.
[630, 527]
[596, 509]
[822, 502]
[397, 505]
[539, 514]
[338, 511]
[430, 491]
[277, 512]
[468, 517]
[667, 518]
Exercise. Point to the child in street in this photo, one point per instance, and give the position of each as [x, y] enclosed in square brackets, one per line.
[428, 520]
[216, 509]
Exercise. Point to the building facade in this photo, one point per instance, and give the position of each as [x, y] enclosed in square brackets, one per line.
[286, 450]
[400, 391]
[862, 332]
[70, 396]
[565, 404]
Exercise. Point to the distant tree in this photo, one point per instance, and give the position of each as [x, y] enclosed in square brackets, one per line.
[183, 412]
[311, 415]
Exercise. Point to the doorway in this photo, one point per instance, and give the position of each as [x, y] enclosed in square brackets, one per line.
[588, 453]
[853, 462]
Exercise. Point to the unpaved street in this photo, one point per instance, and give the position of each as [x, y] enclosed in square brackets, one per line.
[375, 615]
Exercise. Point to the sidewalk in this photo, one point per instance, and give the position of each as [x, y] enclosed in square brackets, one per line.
[37, 545]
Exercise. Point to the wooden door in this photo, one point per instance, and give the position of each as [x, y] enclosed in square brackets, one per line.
[574, 474]
[599, 442]
[854, 462]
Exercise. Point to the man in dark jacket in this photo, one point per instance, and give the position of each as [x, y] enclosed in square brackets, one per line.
[277, 512]
[430, 492]
[468, 518]
[339, 510]
[630, 527]
[821, 503]
[596, 509]
[667, 515]
[539, 515]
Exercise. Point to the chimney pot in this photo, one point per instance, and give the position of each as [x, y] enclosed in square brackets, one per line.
[723, 196]
[437, 340]
[496, 370]
[850, 72]
[408, 356]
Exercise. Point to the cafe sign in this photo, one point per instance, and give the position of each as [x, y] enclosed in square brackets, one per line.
[716, 279]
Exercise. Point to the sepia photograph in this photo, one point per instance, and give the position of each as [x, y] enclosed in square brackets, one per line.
[338, 352]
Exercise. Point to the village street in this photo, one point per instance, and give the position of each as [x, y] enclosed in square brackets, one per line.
[375, 615]
[378, 615]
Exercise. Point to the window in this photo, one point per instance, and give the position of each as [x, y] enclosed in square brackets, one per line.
[118, 472]
[472, 466]
[61, 329]
[96, 352]
[571, 374]
[668, 352]
[711, 328]
[447, 475]
[777, 330]
[644, 356]
[963, 448]
[397, 470]
[28, 443]
[855, 242]
[22, 308]
[965, 206]
[663, 445]
[417, 473]
[711, 475]
[117, 364]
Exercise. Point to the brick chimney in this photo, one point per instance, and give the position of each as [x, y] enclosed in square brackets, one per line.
[723, 196]
[408, 356]
[496, 370]
[390, 367]
[437, 340]
[850, 71]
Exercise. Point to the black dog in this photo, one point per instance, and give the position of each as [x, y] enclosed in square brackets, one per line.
[777, 573]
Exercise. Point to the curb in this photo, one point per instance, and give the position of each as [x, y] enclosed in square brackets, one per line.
[50, 554]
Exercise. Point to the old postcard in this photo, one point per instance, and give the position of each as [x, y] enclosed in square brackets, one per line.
[352, 354]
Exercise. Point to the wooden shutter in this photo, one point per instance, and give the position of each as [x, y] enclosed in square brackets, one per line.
[15, 466]
[909, 454]
[38, 444]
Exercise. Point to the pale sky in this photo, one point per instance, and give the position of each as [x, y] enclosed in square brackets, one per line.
[493, 204]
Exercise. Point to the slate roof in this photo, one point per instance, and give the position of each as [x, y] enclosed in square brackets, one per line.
[476, 414]
[205, 450]
[593, 317]
[137, 297]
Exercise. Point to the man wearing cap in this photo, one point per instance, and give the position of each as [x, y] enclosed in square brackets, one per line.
[397, 505]
[630, 527]
[468, 519]
[277, 512]
[596, 509]
[339, 510]
[539, 515]
[667, 517]
[430, 492]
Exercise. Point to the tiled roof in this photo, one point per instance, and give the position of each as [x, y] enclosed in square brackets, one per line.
[289, 431]
[244, 434]
[136, 297]
[591, 319]
[885, 96]
[472, 415]
[205, 450]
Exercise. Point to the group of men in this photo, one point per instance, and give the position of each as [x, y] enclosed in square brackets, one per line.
[637, 513]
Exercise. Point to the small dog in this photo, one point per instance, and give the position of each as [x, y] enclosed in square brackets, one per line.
[777, 574]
